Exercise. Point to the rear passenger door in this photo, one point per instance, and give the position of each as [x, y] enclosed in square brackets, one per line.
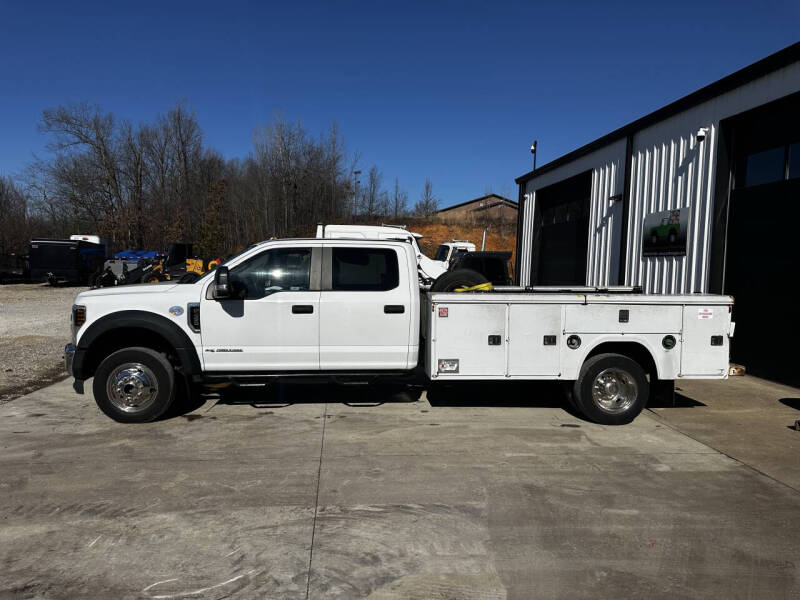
[365, 309]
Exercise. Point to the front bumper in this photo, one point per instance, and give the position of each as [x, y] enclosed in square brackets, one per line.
[69, 355]
[69, 363]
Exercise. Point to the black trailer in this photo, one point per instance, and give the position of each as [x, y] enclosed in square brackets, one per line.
[13, 268]
[65, 261]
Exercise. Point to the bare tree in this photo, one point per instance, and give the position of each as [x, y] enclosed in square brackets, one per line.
[428, 203]
[150, 184]
[375, 200]
[14, 223]
[399, 201]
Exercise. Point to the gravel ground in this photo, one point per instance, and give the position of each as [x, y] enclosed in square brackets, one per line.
[34, 326]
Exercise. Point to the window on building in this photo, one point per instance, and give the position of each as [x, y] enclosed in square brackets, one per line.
[365, 269]
[766, 166]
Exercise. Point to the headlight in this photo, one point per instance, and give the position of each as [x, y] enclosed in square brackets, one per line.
[78, 315]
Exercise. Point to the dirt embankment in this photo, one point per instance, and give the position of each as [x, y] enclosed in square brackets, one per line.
[499, 236]
[34, 327]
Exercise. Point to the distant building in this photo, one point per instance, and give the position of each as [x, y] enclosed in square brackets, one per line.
[490, 207]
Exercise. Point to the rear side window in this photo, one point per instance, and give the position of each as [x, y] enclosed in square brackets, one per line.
[365, 269]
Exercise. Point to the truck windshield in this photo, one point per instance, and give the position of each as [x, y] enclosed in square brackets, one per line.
[441, 253]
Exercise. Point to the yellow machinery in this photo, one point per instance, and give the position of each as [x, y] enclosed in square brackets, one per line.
[179, 264]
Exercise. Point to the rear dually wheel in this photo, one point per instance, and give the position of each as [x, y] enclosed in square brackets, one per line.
[611, 389]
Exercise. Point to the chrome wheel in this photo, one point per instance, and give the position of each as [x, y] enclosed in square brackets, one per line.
[614, 390]
[132, 387]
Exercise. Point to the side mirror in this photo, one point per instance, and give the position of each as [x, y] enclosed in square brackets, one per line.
[222, 285]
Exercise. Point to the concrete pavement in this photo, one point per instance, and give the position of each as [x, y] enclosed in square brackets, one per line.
[748, 418]
[296, 497]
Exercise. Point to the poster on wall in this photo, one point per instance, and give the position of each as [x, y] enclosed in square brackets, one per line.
[665, 232]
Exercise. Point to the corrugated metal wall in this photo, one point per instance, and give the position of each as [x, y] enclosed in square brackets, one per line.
[670, 169]
[672, 173]
[605, 224]
[605, 221]
[666, 174]
[524, 275]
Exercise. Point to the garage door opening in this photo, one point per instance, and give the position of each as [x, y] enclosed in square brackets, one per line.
[762, 258]
[561, 232]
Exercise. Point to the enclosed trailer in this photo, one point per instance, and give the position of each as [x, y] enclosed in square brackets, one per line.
[66, 261]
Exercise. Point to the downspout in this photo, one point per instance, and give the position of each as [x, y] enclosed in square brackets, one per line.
[626, 203]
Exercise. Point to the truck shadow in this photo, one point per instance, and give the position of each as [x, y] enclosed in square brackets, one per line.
[522, 394]
[791, 402]
[679, 401]
[280, 395]
[547, 394]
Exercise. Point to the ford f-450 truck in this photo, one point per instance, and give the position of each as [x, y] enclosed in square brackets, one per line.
[348, 309]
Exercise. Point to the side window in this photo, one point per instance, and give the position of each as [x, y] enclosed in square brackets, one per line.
[365, 269]
[277, 270]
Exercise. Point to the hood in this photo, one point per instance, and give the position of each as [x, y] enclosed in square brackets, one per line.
[138, 288]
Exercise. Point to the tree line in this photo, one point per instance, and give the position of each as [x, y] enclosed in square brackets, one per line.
[144, 186]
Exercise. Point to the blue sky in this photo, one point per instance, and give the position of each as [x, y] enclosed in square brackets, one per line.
[454, 91]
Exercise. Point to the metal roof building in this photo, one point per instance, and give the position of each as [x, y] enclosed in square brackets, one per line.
[686, 199]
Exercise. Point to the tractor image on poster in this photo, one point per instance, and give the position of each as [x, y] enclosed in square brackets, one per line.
[667, 231]
[664, 232]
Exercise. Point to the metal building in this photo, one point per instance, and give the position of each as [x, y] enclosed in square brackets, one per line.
[702, 195]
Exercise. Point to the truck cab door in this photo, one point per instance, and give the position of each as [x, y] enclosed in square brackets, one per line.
[366, 309]
[272, 321]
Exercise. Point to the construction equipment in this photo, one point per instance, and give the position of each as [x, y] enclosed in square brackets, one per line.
[179, 265]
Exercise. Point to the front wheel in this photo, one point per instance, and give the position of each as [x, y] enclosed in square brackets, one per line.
[611, 389]
[134, 385]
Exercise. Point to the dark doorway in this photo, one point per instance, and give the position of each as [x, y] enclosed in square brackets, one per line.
[762, 251]
[561, 232]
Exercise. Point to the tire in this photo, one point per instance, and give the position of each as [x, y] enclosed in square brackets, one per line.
[151, 278]
[190, 277]
[134, 367]
[623, 396]
[460, 278]
[570, 396]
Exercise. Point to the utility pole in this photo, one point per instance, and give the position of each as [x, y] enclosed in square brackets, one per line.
[355, 198]
[533, 151]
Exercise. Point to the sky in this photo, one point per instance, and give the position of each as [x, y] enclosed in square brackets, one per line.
[451, 91]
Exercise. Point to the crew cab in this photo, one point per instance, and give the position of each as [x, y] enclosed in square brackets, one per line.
[349, 309]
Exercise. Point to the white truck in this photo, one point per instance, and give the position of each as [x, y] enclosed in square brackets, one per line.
[429, 268]
[449, 250]
[348, 309]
